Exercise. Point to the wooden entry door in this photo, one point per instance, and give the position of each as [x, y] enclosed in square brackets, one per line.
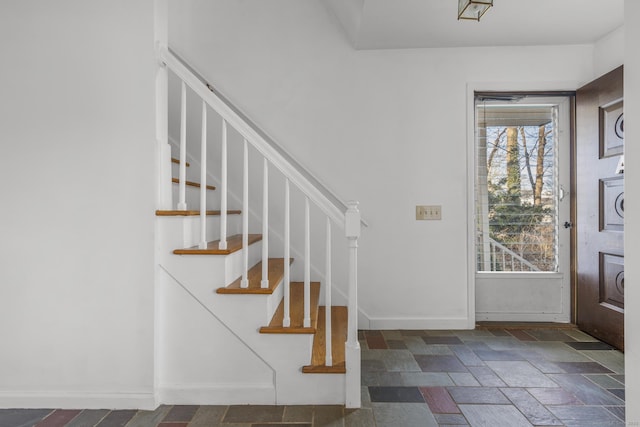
[600, 208]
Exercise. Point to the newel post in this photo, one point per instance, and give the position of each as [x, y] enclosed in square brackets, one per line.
[352, 346]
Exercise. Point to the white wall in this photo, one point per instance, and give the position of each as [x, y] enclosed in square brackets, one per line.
[77, 184]
[386, 127]
[632, 224]
[608, 52]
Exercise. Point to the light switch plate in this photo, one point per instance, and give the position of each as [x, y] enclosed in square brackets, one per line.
[433, 212]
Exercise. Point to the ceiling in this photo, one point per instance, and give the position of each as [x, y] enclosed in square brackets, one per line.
[386, 24]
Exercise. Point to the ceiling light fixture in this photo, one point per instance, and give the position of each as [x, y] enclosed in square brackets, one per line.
[473, 9]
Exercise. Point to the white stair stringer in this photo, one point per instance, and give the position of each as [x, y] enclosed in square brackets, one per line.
[244, 314]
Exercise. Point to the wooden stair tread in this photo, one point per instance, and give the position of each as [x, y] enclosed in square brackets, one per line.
[339, 322]
[234, 244]
[193, 213]
[192, 184]
[174, 160]
[254, 275]
[296, 312]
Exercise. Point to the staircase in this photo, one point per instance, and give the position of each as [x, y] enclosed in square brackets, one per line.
[241, 321]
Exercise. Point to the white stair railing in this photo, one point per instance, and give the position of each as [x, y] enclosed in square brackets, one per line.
[346, 219]
[504, 259]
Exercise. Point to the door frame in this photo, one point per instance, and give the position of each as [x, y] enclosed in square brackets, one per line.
[525, 88]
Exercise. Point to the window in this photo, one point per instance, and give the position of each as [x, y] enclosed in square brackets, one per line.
[517, 185]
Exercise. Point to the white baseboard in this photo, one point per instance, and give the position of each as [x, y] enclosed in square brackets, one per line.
[217, 394]
[77, 400]
[417, 323]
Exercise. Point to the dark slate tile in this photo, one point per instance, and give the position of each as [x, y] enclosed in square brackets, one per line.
[388, 379]
[477, 395]
[618, 411]
[207, 416]
[520, 374]
[451, 419]
[328, 416]
[173, 424]
[439, 400]
[590, 345]
[431, 363]
[396, 394]
[549, 335]
[376, 342]
[554, 396]
[605, 381]
[494, 416]
[117, 418]
[467, 356]
[402, 414]
[298, 414]
[281, 425]
[22, 417]
[253, 414]
[360, 335]
[372, 333]
[414, 333]
[535, 412]
[441, 340]
[618, 377]
[369, 378]
[582, 416]
[522, 335]
[499, 333]
[618, 392]
[396, 344]
[88, 417]
[359, 417]
[486, 377]
[400, 361]
[181, 413]
[464, 379]
[585, 390]
[498, 355]
[59, 417]
[369, 365]
[583, 368]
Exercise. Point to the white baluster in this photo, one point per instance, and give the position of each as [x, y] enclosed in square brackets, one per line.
[328, 361]
[352, 346]
[265, 226]
[244, 283]
[307, 266]
[286, 321]
[223, 188]
[203, 179]
[182, 186]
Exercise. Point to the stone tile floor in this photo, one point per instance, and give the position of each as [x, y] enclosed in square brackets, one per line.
[487, 377]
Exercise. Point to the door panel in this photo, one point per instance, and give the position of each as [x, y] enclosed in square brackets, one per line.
[600, 208]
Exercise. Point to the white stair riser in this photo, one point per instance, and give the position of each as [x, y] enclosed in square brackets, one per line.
[184, 231]
[192, 197]
[206, 273]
